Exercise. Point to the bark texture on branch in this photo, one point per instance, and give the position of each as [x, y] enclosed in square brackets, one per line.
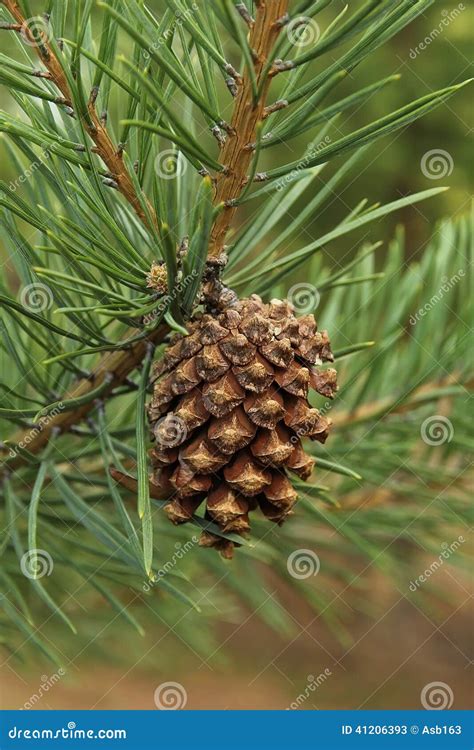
[236, 153]
[115, 366]
[104, 146]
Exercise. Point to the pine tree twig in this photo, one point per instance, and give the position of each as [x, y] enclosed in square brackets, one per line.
[116, 366]
[235, 155]
[104, 147]
[242, 9]
[383, 497]
[381, 408]
[131, 484]
[120, 364]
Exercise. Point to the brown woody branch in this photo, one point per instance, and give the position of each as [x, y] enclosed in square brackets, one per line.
[236, 156]
[384, 407]
[104, 147]
[237, 151]
[114, 366]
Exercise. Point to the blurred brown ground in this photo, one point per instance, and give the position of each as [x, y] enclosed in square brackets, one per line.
[392, 659]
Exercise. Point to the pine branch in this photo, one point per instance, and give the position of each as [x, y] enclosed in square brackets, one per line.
[236, 155]
[238, 149]
[110, 154]
[394, 461]
[96, 255]
[385, 407]
[114, 367]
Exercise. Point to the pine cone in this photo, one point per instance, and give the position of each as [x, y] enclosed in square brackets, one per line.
[229, 409]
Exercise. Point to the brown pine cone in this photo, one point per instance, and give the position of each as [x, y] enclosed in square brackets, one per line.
[229, 409]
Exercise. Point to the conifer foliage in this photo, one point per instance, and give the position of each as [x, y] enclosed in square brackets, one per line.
[151, 180]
